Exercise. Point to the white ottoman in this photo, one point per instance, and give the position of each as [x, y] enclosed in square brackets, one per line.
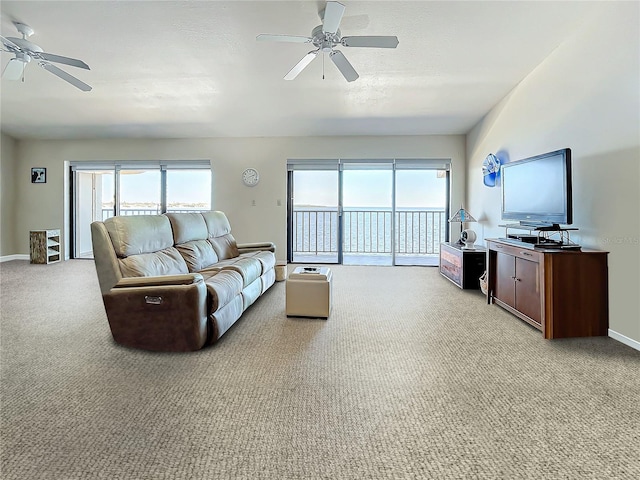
[308, 291]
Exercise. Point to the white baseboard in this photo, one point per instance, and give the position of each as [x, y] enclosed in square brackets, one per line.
[624, 339]
[8, 258]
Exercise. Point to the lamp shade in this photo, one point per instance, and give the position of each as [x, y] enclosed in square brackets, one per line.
[462, 216]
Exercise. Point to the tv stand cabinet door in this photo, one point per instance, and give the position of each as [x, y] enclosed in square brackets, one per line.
[505, 275]
[528, 299]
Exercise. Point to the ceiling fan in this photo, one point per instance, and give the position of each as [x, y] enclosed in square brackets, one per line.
[25, 51]
[327, 36]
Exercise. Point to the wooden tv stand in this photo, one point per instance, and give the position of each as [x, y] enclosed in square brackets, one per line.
[563, 293]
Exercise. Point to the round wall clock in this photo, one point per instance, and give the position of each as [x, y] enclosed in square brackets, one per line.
[250, 177]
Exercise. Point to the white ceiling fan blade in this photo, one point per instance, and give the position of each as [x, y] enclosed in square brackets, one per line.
[370, 41]
[65, 76]
[343, 65]
[10, 45]
[14, 69]
[66, 60]
[332, 16]
[306, 60]
[266, 37]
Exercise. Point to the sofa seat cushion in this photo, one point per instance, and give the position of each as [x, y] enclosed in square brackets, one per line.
[208, 273]
[164, 262]
[225, 317]
[198, 254]
[249, 268]
[223, 287]
[215, 268]
[267, 259]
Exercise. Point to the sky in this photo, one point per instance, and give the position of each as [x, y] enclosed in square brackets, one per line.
[183, 186]
[370, 188]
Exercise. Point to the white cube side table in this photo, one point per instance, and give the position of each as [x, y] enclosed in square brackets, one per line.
[308, 292]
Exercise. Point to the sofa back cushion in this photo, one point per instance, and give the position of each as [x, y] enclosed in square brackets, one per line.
[190, 235]
[219, 233]
[144, 246]
[133, 235]
[187, 227]
[198, 254]
[225, 246]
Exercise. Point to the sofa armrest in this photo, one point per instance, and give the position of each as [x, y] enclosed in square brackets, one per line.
[186, 279]
[256, 247]
[167, 313]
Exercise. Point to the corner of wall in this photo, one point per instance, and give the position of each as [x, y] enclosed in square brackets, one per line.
[8, 160]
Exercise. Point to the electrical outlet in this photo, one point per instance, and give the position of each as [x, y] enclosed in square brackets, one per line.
[253, 203]
[279, 203]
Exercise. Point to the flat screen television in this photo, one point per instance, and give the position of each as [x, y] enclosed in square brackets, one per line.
[536, 191]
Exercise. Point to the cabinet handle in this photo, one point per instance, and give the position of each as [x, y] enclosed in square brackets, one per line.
[518, 279]
[526, 254]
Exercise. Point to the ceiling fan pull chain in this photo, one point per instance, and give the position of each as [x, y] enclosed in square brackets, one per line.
[323, 66]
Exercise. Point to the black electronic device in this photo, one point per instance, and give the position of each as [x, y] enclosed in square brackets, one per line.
[570, 246]
[523, 237]
[536, 191]
[547, 244]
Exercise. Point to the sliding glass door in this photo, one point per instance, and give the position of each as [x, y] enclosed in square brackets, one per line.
[314, 225]
[94, 200]
[100, 191]
[420, 214]
[369, 212]
[367, 218]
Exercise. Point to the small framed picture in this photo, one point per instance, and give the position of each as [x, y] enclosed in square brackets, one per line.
[38, 175]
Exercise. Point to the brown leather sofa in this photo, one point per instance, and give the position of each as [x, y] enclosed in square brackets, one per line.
[178, 281]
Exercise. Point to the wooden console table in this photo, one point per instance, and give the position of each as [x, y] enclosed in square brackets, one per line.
[563, 293]
[463, 267]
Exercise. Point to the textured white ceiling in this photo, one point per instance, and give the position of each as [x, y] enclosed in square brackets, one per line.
[194, 69]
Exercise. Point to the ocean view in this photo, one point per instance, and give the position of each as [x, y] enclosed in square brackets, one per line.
[368, 230]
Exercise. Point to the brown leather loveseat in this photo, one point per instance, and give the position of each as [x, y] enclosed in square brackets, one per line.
[178, 281]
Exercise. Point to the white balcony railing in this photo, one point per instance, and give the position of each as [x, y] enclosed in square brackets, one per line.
[417, 232]
[108, 212]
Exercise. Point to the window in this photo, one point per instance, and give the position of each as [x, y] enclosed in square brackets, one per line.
[188, 190]
[103, 189]
[367, 212]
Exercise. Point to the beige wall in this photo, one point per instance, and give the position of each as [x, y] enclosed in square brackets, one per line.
[584, 96]
[42, 206]
[7, 195]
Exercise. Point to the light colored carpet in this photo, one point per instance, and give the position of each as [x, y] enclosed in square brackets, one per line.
[409, 378]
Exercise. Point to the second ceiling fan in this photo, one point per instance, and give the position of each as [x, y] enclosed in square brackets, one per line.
[327, 36]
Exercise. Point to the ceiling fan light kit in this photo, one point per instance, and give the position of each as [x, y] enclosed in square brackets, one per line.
[326, 37]
[25, 51]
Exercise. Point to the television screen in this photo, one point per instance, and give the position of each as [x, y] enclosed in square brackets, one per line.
[537, 190]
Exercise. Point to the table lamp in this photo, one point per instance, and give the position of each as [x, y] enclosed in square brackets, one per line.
[462, 216]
